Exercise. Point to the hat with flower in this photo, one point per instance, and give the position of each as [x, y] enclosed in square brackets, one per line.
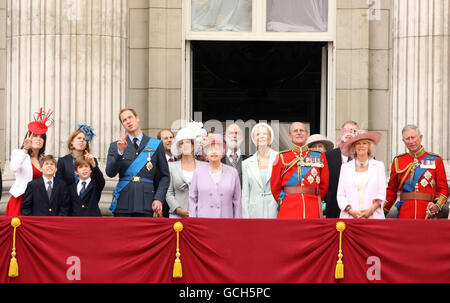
[87, 130]
[192, 131]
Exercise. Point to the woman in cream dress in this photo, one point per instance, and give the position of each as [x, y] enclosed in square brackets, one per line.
[257, 198]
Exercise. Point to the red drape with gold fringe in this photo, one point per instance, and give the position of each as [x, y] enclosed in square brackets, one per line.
[225, 250]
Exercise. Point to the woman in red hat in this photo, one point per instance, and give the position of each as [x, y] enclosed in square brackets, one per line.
[25, 161]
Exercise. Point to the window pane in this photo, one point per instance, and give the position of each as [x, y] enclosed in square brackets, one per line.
[297, 16]
[221, 15]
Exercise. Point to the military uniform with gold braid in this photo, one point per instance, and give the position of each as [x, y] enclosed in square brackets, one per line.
[420, 177]
[299, 182]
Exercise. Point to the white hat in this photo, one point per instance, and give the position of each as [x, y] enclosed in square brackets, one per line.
[192, 131]
[262, 124]
[322, 139]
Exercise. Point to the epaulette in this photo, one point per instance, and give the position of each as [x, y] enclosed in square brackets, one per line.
[433, 154]
[400, 155]
[285, 151]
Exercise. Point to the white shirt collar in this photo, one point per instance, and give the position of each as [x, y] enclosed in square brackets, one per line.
[168, 157]
[46, 180]
[229, 153]
[80, 184]
[139, 137]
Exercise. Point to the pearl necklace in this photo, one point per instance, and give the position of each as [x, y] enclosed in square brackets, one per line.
[362, 164]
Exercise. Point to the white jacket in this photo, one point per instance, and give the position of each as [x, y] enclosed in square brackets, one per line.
[21, 166]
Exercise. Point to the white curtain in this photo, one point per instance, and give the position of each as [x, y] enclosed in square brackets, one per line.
[221, 15]
[297, 15]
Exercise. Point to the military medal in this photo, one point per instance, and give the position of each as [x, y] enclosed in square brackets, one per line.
[149, 164]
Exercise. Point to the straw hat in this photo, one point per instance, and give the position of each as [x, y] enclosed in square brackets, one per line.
[375, 137]
[322, 139]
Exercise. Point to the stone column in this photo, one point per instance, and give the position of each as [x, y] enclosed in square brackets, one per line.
[420, 73]
[69, 56]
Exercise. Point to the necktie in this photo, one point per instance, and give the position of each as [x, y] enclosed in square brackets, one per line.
[234, 160]
[171, 159]
[83, 189]
[49, 189]
[135, 143]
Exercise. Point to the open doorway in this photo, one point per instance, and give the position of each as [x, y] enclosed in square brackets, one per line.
[247, 80]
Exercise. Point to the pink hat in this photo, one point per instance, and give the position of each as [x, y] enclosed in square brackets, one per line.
[213, 139]
[375, 137]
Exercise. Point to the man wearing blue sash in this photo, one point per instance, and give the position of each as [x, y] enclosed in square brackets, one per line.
[299, 180]
[138, 160]
[420, 177]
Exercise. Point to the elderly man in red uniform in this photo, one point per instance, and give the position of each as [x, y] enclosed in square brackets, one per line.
[299, 179]
[420, 177]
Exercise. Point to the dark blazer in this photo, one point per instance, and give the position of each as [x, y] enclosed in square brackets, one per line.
[226, 160]
[66, 170]
[36, 202]
[334, 160]
[87, 206]
[137, 197]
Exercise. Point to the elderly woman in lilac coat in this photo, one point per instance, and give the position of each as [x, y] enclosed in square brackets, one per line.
[215, 190]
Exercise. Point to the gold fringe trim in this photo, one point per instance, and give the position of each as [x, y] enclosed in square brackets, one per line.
[339, 272]
[13, 265]
[177, 268]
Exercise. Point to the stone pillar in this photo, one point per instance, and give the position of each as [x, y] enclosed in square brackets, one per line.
[420, 73]
[352, 63]
[69, 56]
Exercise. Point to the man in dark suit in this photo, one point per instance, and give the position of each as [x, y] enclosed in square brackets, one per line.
[138, 160]
[233, 156]
[167, 137]
[335, 159]
[86, 193]
[46, 196]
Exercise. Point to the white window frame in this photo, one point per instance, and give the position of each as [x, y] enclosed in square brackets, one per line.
[259, 33]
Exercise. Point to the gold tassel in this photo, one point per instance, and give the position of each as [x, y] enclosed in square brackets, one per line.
[177, 269]
[13, 265]
[339, 273]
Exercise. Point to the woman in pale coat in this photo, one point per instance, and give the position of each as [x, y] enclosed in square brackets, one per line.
[257, 198]
[215, 190]
[362, 181]
[181, 171]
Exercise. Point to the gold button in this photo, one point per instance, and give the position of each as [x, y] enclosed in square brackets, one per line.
[50, 210]
[82, 206]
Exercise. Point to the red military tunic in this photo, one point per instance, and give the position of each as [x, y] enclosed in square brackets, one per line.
[431, 185]
[304, 199]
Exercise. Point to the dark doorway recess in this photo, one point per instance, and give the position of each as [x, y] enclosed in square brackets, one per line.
[243, 80]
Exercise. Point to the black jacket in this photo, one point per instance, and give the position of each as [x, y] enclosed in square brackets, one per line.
[87, 206]
[36, 202]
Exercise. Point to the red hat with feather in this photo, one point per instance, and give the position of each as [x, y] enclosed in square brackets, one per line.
[42, 122]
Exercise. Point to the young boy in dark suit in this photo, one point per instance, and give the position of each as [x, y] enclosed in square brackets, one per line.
[46, 196]
[86, 194]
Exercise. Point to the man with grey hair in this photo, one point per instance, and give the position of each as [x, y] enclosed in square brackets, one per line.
[335, 158]
[420, 177]
[299, 179]
[234, 156]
